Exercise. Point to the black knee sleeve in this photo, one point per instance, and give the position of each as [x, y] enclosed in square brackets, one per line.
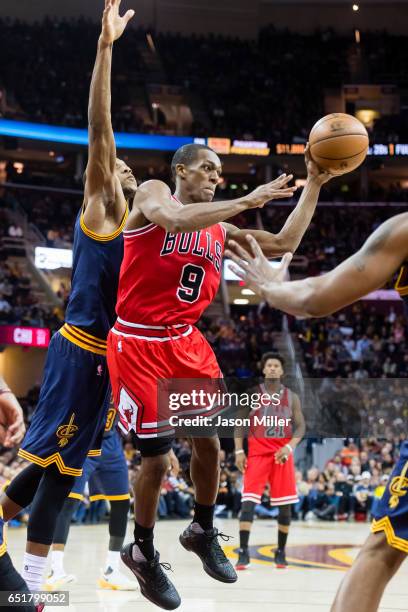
[64, 520]
[247, 512]
[118, 523]
[23, 487]
[48, 501]
[285, 514]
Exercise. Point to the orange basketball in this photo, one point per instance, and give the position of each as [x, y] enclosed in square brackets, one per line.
[338, 143]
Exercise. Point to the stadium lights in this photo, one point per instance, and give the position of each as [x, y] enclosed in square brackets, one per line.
[355, 7]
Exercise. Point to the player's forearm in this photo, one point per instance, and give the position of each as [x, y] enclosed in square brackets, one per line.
[291, 234]
[304, 298]
[239, 443]
[192, 217]
[293, 442]
[99, 108]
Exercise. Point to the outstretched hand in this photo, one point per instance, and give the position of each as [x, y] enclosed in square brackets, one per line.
[274, 190]
[253, 267]
[314, 171]
[113, 25]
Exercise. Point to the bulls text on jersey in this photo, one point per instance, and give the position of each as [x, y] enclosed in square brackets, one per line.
[199, 243]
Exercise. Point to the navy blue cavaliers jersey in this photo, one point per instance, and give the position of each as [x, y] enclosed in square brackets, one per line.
[74, 400]
[391, 516]
[95, 276]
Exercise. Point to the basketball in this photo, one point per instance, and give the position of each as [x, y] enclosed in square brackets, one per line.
[338, 143]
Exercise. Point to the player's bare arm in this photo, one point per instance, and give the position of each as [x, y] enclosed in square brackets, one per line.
[153, 199]
[298, 431]
[239, 436]
[104, 199]
[365, 271]
[12, 426]
[291, 234]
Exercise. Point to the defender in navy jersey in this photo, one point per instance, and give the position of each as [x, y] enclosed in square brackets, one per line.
[107, 478]
[383, 254]
[68, 422]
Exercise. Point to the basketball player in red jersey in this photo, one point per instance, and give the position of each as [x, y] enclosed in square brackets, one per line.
[270, 457]
[169, 275]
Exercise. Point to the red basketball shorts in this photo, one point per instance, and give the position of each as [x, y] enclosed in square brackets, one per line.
[262, 470]
[139, 360]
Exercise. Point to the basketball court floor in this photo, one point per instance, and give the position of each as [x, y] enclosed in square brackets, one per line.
[319, 554]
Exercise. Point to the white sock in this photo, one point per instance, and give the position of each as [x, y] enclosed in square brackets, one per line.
[112, 559]
[57, 562]
[196, 527]
[137, 553]
[33, 571]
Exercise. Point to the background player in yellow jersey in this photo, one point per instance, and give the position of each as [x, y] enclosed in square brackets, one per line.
[385, 251]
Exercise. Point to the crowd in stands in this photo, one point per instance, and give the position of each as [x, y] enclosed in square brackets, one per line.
[202, 65]
[278, 65]
[51, 87]
[361, 342]
[350, 485]
[19, 305]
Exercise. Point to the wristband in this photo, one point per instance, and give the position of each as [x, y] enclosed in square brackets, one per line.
[237, 452]
[289, 447]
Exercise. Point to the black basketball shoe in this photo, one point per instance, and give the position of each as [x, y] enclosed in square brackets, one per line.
[153, 582]
[243, 559]
[280, 559]
[207, 547]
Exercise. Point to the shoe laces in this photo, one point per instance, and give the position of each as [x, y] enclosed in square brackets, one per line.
[161, 580]
[215, 545]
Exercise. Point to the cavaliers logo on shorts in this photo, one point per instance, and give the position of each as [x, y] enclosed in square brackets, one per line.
[66, 432]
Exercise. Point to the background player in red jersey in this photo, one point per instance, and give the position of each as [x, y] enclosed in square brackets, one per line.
[169, 275]
[270, 457]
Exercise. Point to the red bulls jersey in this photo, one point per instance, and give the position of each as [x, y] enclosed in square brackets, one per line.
[267, 434]
[169, 279]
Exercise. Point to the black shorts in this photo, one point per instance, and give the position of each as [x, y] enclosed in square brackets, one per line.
[152, 447]
[10, 580]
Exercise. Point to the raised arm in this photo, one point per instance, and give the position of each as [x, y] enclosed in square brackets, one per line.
[101, 186]
[368, 269]
[291, 234]
[153, 199]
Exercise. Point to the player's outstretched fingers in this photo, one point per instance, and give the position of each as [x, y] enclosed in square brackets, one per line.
[255, 248]
[285, 179]
[286, 193]
[238, 271]
[128, 15]
[238, 250]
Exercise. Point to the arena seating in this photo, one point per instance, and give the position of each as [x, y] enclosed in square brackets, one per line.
[285, 72]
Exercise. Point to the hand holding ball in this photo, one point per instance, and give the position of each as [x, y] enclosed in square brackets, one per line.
[338, 143]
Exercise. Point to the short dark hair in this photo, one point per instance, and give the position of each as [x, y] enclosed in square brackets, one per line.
[272, 355]
[187, 154]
